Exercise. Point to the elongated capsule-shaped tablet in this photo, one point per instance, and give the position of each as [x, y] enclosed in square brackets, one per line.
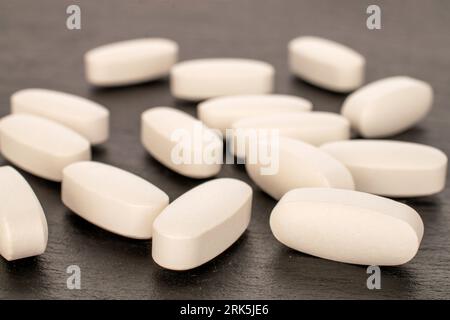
[314, 128]
[284, 164]
[41, 146]
[207, 78]
[220, 113]
[326, 63]
[86, 117]
[131, 61]
[181, 142]
[201, 224]
[347, 226]
[23, 227]
[388, 106]
[392, 168]
[112, 198]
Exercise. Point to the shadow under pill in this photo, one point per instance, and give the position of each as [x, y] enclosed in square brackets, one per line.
[41, 182]
[415, 133]
[184, 104]
[97, 238]
[172, 175]
[22, 266]
[98, 151]
[213, 268]
[430, 208]
[293, 270]
[296, 81]
[100, 90]
[240, 167]
[17, 277]
[430, 202]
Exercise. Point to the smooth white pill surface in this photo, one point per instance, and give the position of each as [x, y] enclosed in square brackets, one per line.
[201, 224]
[300, 165]
[326, 63]
[41, 146]
[181, 142]
[131, 61]
[388, 106]
[314, 128]
[112, 198]
[392, 168]
[347, 226]
[23, 227]
[206, 78]
[86, 117]
[220, 113]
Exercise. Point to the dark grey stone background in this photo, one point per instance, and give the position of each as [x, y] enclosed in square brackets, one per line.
[36, 50]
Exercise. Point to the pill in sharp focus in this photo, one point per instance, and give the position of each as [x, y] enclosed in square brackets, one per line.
[183, 144]
[41, 146]
[289, 164]
[347, 226]
[326, 63]
[314, 128]
[131, 61]
[388, 106]
[218, 213]
[112, 198]
[23, 227]
[392, 168]
[200, 79]
[86, 117]
[220, 113]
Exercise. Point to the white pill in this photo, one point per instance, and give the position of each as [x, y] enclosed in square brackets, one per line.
[288, 164]
[220, 113]
[326, 63]
[41, 146]
[207, 78]
[392, 168]
[314, 128]
[181, 142]
[86, 117]
[131, 61]
[388, 106]
[201, 224]
[347, 226]
[112, 198]
[23, 227]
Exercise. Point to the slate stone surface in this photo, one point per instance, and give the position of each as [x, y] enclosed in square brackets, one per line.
[36, 50]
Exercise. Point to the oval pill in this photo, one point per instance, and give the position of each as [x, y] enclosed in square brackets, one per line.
[23, 226]
[183, 144]
[41, 146]
[388, 106]
[86, 117]
[220, 113]
[392, 168]
[326, 63]
[131, 61]
[206, 78]
[112, 198]
[291, 164]
[347, 226]
[314, 128]
[201, 224]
